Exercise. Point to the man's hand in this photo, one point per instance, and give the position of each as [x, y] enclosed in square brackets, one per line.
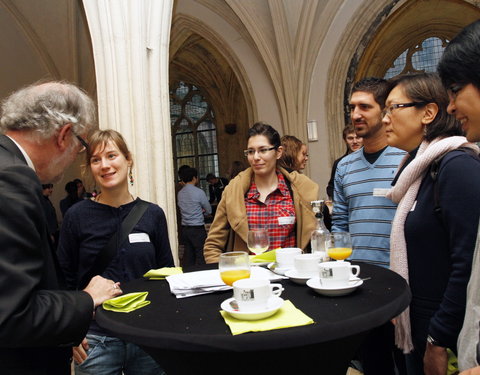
[80, 352]
[101, 289]
[472, 371]
[435, 360]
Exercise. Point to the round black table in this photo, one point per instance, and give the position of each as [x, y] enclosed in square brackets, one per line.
[189, 336]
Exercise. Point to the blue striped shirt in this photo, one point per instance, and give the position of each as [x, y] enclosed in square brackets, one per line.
[368, 218]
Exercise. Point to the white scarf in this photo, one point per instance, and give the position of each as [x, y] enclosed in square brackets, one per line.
[405, 193]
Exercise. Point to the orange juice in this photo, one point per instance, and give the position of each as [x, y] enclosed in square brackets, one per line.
[230, 276]
[339, 253]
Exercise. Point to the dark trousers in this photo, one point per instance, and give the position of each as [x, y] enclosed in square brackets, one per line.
[193, 238]
[379, 355]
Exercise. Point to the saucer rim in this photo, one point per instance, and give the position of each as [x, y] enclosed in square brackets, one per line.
[315, 280]
[281, 270]
[279, 301]
[295, 275]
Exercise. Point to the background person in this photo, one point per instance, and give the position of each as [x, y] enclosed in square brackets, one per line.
[216, 185]
[50, 213]
[71, 198]
[42, 126]
[460, 74]
[236, 167]
[263, 195]
[86, 230]
[194, 206]
[353, 143]
[434, 230]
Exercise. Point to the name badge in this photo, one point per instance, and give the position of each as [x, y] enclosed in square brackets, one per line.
[138, 237]
[378, 192]
[285, 220]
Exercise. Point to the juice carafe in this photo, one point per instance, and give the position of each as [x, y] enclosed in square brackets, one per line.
[319, 235]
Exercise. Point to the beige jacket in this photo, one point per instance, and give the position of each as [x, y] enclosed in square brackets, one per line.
[229, 229]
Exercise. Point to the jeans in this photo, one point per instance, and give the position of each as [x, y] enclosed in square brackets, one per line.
[112, 356]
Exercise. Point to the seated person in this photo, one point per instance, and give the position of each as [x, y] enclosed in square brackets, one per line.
[263, 196]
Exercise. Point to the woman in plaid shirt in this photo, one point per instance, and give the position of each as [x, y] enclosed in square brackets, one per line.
[263, 196]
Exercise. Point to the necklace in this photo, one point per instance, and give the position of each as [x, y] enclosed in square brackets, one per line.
[99, 196]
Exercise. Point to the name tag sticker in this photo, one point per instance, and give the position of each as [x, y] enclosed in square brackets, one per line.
[285, 220]
[378, 192]
[138, 237]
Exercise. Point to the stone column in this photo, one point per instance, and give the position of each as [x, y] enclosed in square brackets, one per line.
[130, 41]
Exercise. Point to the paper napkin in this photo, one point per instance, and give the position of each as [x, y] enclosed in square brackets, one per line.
[162, 273]
[127, 303]
[269, 257]
[287, 316]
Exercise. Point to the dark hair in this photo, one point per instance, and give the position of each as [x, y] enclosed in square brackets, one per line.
[376, 86]
[260, 128]
[47, 186]
[348, 129]
[291, 147]
[188, 174]
[427, 87]
[210, 177]
[71, 189]
[182, 169]
[460, 60]
[236, 167]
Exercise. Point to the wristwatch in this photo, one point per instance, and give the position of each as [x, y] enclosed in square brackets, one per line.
[432, 341]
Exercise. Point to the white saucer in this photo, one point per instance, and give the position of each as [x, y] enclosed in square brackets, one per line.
[353, 284]
[274, 304]
[297, 278]
[274, 268]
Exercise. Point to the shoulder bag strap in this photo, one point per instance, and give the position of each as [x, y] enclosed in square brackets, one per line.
[105, 256]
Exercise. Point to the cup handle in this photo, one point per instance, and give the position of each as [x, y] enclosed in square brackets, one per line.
[355, 268]
[276, 289]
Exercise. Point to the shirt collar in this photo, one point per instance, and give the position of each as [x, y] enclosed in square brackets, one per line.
[253, 192]
[24, 153]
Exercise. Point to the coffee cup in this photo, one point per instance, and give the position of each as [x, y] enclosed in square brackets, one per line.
[254, 294]
[336, 274]
[285, 256]
[307, 264]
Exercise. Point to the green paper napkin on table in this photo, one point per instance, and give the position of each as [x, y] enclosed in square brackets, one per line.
[287, 316]
[127, 303]
[269, 257]
[161, 273]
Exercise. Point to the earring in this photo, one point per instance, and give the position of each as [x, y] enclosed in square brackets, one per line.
[130, 177]
[425, 130]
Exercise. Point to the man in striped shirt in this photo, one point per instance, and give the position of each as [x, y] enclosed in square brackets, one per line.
[363, 178]
[361, 208]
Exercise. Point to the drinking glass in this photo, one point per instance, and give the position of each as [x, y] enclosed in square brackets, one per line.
[339, 245]
[257, 241]
[234, 266]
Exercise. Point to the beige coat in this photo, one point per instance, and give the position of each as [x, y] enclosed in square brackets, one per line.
[229, 229]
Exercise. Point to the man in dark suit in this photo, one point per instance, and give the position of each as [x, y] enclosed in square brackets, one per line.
[41, 128]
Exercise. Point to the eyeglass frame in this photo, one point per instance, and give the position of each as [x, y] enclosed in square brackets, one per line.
[261, 151]
[388, 110]
[82, 141]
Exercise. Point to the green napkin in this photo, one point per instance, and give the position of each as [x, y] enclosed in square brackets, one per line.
[161, 273]
[127, 302]
[287, 316]
[268, 256]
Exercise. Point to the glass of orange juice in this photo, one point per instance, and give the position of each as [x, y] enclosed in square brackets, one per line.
[234, 266]
[339, 245]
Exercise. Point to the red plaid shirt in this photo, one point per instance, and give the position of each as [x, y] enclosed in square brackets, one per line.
[277, 214]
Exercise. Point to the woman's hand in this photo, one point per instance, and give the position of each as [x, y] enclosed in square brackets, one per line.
[471, 371]
[80, 352]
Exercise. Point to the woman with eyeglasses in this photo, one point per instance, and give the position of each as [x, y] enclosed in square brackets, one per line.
[263, 196]
[84, 244]
[435, 226]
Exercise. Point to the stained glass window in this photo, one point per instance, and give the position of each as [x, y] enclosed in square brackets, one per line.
[422, 57]
[193, 130]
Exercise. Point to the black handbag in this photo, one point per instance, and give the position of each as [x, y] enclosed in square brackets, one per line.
[105, 256]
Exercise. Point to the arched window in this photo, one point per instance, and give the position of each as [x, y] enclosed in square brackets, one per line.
[193, 131]
[421, 57]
